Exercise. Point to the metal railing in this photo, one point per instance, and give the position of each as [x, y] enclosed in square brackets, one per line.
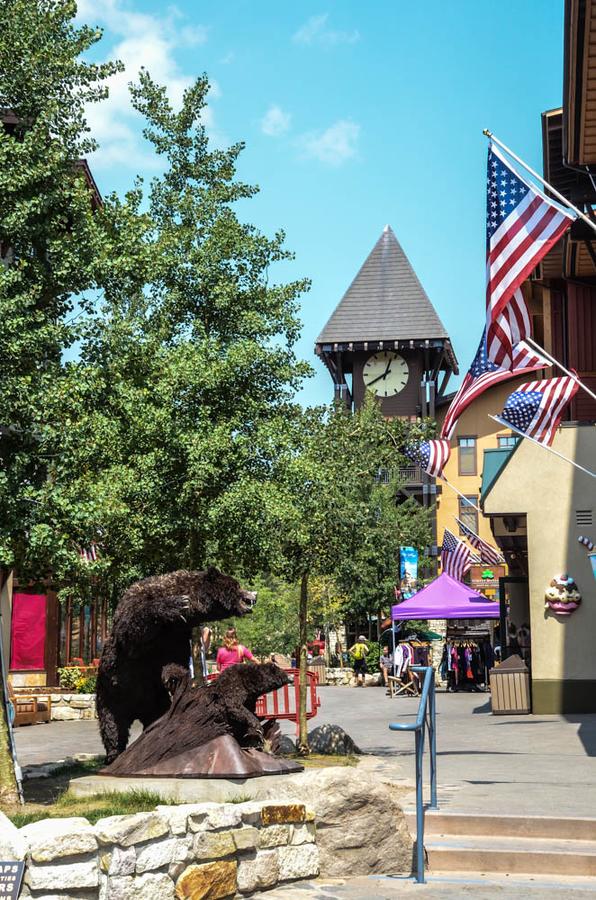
[425, 721]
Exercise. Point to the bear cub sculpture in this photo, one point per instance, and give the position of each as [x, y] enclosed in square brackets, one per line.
[200, 715]
[152, 629]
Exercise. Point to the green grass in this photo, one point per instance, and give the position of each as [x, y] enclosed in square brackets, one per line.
[318, 761]
[92, 808]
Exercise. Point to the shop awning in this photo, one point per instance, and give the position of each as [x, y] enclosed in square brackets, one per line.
[446, 598]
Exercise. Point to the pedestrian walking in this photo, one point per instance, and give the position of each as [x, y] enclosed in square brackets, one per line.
[232, 652]
[359, 653]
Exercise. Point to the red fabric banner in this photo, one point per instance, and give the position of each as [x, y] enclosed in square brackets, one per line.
[28, 631]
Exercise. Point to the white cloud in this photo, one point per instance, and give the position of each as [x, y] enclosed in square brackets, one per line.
[316, 31]
[275, 122]
[142, 41]
[334, 145]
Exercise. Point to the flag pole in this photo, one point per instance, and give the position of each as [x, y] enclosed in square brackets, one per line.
[549, 187]
[471, 532]
[544, 446]
[463, 496]
[560, 366]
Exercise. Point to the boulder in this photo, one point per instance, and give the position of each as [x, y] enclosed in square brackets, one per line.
[331, 740]
[12, 845]
[361, 827]
[287, 746]
[55, 838]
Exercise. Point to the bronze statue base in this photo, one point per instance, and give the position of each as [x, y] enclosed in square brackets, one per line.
[221, 757]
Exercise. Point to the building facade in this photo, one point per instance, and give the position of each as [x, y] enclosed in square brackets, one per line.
[539, 505]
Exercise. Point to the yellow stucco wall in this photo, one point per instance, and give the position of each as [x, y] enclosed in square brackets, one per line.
[474, 422]
[550, 491]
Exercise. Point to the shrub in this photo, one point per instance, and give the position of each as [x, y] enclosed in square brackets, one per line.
[69, 676]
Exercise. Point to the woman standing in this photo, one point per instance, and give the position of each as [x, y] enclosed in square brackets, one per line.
[232, 651]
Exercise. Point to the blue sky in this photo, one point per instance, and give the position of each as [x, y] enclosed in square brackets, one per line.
[354, 115]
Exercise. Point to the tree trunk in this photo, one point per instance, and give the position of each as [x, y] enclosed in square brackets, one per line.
[9, 791]
[303, 748]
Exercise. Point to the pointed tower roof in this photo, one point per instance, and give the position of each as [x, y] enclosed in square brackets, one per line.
[384, 302]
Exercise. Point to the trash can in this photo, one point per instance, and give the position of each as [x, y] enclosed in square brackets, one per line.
[510, 688]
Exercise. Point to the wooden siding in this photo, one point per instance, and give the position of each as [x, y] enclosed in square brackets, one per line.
[580, 82]
[581, 328]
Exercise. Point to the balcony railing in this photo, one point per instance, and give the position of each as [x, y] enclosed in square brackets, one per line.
[411, 474]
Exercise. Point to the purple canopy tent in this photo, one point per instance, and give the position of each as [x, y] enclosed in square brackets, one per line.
[446, 598]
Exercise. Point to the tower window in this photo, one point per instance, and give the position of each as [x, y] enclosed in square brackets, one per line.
[505, 441]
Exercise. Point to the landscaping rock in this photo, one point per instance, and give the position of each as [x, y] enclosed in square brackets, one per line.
[128, 830]
[55, 838]
[210, 881]
[63, 876]
[213, 844]
[156, 855]
[331, 740]
[286, 746]
[122, 861]
[258, 871]
[215, 815]
[12, 845]
[298, 862]
[361, 828]
[274, 836]
[246, 838]
[177, 816]
[302, 834]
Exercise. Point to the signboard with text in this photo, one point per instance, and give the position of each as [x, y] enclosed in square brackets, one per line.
[11, 876]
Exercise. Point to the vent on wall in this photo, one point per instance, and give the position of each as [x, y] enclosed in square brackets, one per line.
[583, 518]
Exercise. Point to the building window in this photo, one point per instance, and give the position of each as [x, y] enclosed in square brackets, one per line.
[468, 516]
[467, 455]
[505, 441]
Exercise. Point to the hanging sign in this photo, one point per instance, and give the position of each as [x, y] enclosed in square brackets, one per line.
[408, 571]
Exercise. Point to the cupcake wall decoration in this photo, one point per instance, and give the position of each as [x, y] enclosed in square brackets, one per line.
[562, 595]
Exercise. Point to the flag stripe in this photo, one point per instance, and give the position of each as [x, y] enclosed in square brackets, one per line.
[525, 360]
[522, 226]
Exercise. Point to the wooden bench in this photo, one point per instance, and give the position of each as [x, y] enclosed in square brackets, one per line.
[30, 709]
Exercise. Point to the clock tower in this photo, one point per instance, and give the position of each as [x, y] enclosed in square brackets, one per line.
[386, 337]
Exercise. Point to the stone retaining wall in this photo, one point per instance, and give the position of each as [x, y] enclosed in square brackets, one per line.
[175, 853]
[70, 707]
[345, 677]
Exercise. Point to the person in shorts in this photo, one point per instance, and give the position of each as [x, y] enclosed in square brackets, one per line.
[386, 665]
[359, 653]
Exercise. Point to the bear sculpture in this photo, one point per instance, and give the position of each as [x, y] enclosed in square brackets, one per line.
[152, 629]
[223, 709]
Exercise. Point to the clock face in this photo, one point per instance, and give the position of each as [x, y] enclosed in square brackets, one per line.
[385, 373]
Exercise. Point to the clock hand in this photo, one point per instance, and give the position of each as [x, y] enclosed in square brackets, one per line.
[378, 378]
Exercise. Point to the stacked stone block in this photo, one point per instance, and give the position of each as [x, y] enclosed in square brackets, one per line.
[186, 852]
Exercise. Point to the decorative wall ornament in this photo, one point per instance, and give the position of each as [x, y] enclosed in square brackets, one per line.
[562, 595]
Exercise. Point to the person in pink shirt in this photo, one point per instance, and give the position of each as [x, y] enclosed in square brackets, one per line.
[232, 652]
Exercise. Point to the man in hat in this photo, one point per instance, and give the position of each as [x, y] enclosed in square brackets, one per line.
[359, 653]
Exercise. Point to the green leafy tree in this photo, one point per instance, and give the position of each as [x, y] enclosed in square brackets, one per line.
[316, 511]
[182, 391]
[49, 240]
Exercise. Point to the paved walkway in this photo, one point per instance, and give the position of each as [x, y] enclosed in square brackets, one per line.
[526, 765]
[469, 886]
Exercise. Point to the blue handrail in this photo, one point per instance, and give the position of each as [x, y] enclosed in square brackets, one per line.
[425, 721]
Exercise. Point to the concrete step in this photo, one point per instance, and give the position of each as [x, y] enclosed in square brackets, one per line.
[454, 823]
[511, 855]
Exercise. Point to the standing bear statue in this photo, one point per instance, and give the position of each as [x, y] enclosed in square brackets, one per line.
[152, 629]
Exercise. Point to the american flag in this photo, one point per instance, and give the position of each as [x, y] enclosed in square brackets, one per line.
[522, 225]
[456, 558]
[431, 455]
[488, 554]
[483, 374]
[536, 407]
[89, 555]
